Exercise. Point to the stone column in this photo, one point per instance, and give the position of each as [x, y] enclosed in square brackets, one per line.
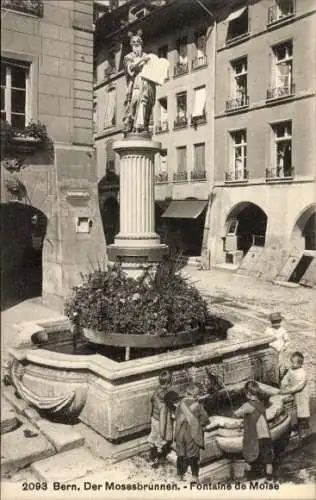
[137, 243]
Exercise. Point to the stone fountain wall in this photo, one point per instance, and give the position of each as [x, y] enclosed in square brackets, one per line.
[114, 398]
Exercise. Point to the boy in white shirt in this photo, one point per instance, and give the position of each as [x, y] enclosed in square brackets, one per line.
[295, 382]
[281, 342]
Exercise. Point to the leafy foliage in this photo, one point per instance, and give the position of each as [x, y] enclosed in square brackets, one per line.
[158, 303]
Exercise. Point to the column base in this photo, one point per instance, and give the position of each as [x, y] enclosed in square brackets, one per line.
[136, 256]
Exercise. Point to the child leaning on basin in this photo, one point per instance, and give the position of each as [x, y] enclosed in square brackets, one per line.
[281, 343]
[257, 442]
[295, 382]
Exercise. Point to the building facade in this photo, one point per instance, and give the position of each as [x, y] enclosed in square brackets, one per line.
[235, 180]
[182, 117]
[50, 216]
[263, 212]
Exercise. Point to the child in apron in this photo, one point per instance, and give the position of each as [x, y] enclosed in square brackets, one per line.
[295, 383]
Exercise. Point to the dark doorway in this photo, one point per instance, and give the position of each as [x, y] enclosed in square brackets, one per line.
[23, 229]
[110, 213]
[309, 233]
[249, 223]
[301, 269]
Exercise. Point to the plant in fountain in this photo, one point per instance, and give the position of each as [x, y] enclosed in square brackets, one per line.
[159, 302]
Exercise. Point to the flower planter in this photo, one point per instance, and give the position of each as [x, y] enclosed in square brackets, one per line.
[141, 341]
[25, 144]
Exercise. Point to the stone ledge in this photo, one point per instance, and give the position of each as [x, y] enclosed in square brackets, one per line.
[19, 451]
[67, 466]
[63, 437]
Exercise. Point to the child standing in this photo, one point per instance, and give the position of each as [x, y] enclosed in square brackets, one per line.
[281, 342]
[257, 443]
[295, 382]
[190, 418]
[161, 434]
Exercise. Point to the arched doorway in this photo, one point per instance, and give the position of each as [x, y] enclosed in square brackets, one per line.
[304, 232]
[246, 226]
[23, 232]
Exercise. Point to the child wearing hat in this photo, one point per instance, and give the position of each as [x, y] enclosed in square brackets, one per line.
[295, 383]
[257, 443]
[281, 342]
[161, 434]
[190, 420]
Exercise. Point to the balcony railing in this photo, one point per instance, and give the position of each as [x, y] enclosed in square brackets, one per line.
[199, 62]
[161, 178]
[281, 92]
[278, 13]
[181, 69]
[162, 127]
[237, 176]
[180, 176]
[34, 7]
[279, 173]
[180, 122]
[237, 103]
[198, 120]
[198, 175]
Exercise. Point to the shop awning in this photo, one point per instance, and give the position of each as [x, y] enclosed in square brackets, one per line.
[234, 15]
[185, 209]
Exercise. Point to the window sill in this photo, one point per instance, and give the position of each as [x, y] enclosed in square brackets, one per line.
[181, 74]
[237, 181]
[237, 109]
[273, 100]
[180, 127]
[281, 21]
[196, 68]
[237, 40]
[198, 180]
[279, 180]
[180, 182]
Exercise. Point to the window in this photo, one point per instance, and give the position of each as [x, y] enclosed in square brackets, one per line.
[162, 174]
[182, 159]
[200, 49]
[110, 64]
[282, 150]
[14, 93]
[238, 168]
[182, 56]
[163, 53]
[281, 9]
[181, 119]
[282, 71]
[198, 113]
[199, 172]
[110, 108]
[162, 124]
[238, 85]
[237, 24]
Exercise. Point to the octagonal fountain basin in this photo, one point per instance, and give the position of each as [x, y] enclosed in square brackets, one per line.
[68, 379]
[228, 430]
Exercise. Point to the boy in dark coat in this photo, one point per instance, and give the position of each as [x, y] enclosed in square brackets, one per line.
[190, 419]
[257, 443]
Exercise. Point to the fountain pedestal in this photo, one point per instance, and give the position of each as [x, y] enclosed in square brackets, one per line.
[137, 244]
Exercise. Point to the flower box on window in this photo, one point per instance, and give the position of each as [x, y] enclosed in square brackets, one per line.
[181, 69]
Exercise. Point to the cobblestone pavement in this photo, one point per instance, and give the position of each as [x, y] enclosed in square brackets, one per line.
[248, 301]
